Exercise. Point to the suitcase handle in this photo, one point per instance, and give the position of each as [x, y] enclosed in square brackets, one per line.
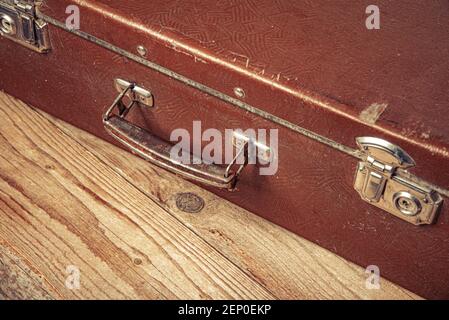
[157, 151]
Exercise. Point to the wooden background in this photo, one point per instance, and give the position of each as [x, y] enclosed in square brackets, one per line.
[69, 199]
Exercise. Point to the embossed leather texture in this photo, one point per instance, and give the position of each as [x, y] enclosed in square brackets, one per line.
[312, 63]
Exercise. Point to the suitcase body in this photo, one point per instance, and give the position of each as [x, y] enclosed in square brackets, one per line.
[313, 73]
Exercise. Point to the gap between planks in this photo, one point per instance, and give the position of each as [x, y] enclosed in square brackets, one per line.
[269, 261]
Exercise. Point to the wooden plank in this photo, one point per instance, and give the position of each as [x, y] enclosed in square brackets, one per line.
[289, 266]
[282, 263]
[61, 206]
[17, 280]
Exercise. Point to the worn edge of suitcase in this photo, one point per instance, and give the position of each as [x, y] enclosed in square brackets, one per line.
[235, 102]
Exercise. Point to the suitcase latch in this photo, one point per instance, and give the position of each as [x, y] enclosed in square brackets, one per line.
[378, 180]
[18, 22]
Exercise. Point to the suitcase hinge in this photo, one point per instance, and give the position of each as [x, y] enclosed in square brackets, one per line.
[379, 181]
[18, 22]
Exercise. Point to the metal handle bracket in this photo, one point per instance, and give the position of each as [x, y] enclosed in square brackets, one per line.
[157, 151]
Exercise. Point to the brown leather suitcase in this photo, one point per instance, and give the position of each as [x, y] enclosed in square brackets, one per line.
[361, 110]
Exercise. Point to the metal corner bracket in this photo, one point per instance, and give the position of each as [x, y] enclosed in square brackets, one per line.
[379, 182]
[18, 22]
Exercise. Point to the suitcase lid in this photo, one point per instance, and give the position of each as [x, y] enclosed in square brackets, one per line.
[312, 66]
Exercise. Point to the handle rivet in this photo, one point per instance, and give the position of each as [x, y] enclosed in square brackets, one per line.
[239, 92]
[142, 51]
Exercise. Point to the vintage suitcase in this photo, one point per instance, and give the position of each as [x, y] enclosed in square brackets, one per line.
[356, 95]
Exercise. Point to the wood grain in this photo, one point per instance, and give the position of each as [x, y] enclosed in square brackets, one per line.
[67, 198]
[17, 280]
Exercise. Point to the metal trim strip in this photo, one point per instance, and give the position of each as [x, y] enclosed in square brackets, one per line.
[226, 98]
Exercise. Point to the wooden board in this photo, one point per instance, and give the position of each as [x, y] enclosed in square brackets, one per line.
[69, 200]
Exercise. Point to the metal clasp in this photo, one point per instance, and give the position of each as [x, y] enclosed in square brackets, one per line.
[379, 182]
[18, 22]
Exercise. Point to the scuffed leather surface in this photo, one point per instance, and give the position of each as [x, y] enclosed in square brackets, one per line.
[284, 53]
[311, 194]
